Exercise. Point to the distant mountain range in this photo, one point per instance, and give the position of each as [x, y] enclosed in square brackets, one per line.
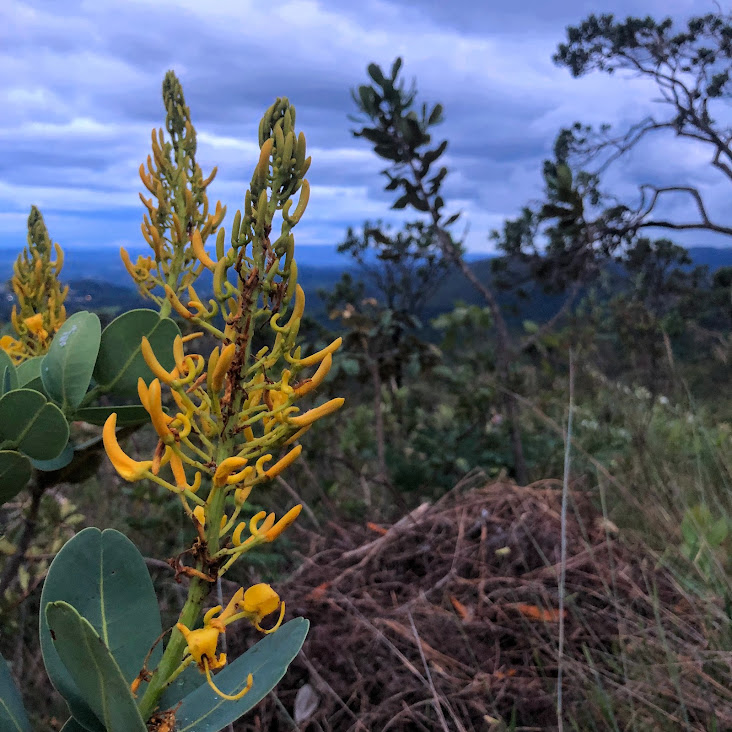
[98, 281]
[104, 265]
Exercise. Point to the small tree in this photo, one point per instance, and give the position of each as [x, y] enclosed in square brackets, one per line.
[400, 133]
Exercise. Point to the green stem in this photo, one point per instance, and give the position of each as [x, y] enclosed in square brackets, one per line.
[197, 592]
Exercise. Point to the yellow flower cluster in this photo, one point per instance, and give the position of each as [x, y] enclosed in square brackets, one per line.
[40, 310]
[231, 411]
[171, 221]
[191, 439]
[235, 408]
[253, 605]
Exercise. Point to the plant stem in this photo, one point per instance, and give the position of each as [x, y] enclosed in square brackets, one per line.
[197, 592]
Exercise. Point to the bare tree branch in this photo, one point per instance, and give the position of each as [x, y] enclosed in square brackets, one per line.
[643, 222]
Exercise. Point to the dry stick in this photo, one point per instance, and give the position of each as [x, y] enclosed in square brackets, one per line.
[437, 701]
[282, 710]
[26, 535]
[298, 499]
[322, 684]
[563, 552]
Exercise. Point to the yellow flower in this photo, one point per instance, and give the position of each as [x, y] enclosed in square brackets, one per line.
[223, 475]
[179, 474]
[261, 600]
[314, 414]
[13, 348]
[283, 523]
[129, 469]
[268, 530]
[258, 602]
[202, 645]
[35, 326]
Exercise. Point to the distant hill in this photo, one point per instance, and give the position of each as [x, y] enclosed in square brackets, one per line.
[98, 281]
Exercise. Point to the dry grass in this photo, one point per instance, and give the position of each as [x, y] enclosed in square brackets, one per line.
[448, 621]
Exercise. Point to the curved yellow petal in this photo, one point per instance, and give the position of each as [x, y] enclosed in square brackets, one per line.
[317, 378]
[284, 462]
[222, 366]
[153, 363]
[314, 414]
[129, 469]
[283, 523]
[226, 468]
[200, 252]
[320, 355]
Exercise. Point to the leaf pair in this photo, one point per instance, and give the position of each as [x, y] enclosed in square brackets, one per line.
[30, 428]
[80, 351]
[99, 619]
[43, 394]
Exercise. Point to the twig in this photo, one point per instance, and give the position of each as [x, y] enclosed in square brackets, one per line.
[563, 552]
[26, 534]
[281, 709]
[406, 521]
[296, 497]
[160, 564]
[324, 685]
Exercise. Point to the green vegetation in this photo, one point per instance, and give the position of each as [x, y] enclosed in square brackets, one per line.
[428, 556]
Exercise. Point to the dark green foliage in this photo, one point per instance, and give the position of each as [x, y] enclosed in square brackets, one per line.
[401, 134]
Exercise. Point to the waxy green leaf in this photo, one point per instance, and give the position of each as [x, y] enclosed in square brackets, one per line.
[32, 425]
[15, 472]
[93, 669]
[120, 363]
[103, 576]
[12, 712]
[67, 368]
[29, 373]
[8, 374]
[203, 710]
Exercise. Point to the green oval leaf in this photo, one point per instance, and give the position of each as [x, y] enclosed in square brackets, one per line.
[120, 363]
[15, 472]
[64, 459]
[29, 371]
[12, 712]
[126, 415]
[203, 710]
[93, 669]
[32, 425]
[8, 374]
[103, 576]
[68, 366]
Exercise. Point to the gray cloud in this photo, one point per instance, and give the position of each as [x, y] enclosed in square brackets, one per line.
[80, 89]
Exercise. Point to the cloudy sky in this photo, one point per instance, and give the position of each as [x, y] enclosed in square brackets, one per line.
[80, 91]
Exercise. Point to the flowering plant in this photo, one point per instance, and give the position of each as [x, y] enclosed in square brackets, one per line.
[233, 425]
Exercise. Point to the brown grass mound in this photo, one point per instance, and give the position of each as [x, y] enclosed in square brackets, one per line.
[449, 620]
